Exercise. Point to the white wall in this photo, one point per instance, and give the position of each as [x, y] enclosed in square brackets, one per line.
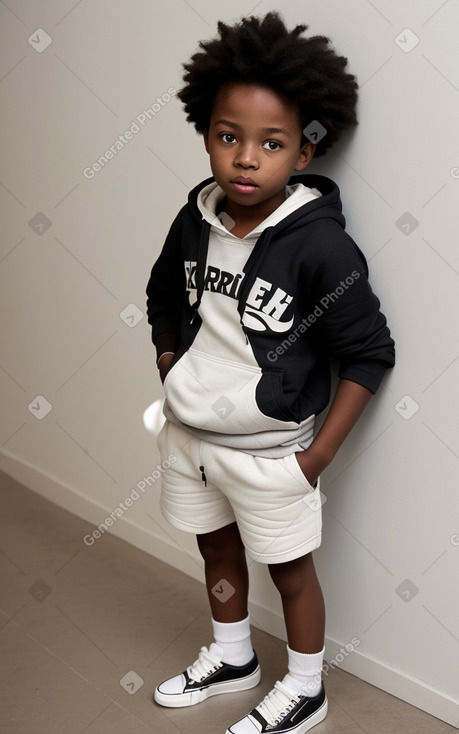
[390, 556]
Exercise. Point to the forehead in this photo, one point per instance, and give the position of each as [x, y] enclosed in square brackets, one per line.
[253, 105]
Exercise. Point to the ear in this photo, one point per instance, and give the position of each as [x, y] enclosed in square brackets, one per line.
[306, 154]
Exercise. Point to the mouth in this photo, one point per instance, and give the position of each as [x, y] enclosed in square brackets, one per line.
[244, 185]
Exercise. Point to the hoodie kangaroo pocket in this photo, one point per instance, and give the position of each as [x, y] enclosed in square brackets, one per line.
[270, 396]
[218, 395]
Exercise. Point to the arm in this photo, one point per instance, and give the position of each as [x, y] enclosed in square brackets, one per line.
[355, 333]
[165, 290]
[348, 404]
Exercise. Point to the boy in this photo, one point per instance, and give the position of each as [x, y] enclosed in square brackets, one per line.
[256, 288]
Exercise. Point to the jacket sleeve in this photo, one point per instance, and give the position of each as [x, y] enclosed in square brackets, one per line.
[166, 286]
[350, 325]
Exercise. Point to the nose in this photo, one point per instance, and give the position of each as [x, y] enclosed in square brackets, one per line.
[246, 156]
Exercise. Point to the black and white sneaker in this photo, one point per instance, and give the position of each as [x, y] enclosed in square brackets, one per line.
[283, 712]
[208, 676]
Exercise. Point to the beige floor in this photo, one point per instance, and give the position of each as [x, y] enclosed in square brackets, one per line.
[77, 622]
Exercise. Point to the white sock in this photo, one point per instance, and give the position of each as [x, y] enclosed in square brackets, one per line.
[234, 639]
[304, 672]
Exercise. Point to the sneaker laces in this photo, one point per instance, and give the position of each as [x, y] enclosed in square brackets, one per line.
[278, 703]
[207, 662]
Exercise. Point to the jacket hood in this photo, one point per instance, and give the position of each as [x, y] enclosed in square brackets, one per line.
[326, 206]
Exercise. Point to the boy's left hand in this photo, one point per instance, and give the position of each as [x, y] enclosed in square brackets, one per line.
[348, 403]
[309, 465]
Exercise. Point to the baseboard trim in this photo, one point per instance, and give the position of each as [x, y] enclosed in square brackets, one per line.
[398, 684]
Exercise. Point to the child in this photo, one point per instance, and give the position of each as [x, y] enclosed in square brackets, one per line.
[256, 289]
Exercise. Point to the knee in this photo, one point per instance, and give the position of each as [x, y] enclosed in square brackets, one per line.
[287, 584]
[292, 578]
[221, 546]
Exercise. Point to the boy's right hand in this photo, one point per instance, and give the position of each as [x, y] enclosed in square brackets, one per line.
[164, 365]
[166, 346]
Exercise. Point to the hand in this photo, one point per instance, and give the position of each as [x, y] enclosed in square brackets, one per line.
[164, 365]
[310, 465]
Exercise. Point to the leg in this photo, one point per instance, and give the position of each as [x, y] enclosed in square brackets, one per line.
[302, 602]
[224, 557]
[219, 669]
[298, 702]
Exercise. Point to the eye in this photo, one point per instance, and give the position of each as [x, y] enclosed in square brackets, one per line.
[272, 145]
[228, 137]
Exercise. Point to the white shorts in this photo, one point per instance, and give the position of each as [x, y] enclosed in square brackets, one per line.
[208, 487]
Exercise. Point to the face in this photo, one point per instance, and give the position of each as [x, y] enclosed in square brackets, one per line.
[254, 143]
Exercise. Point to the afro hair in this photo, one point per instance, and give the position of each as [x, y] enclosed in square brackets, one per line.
[262, 51]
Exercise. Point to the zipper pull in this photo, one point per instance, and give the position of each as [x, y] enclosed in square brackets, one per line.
[203, 476]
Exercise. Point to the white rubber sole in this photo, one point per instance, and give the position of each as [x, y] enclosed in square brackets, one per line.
[180, 700]
[312, 721]
[315, 719]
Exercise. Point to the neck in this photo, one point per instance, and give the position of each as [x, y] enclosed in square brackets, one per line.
[246, 218]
